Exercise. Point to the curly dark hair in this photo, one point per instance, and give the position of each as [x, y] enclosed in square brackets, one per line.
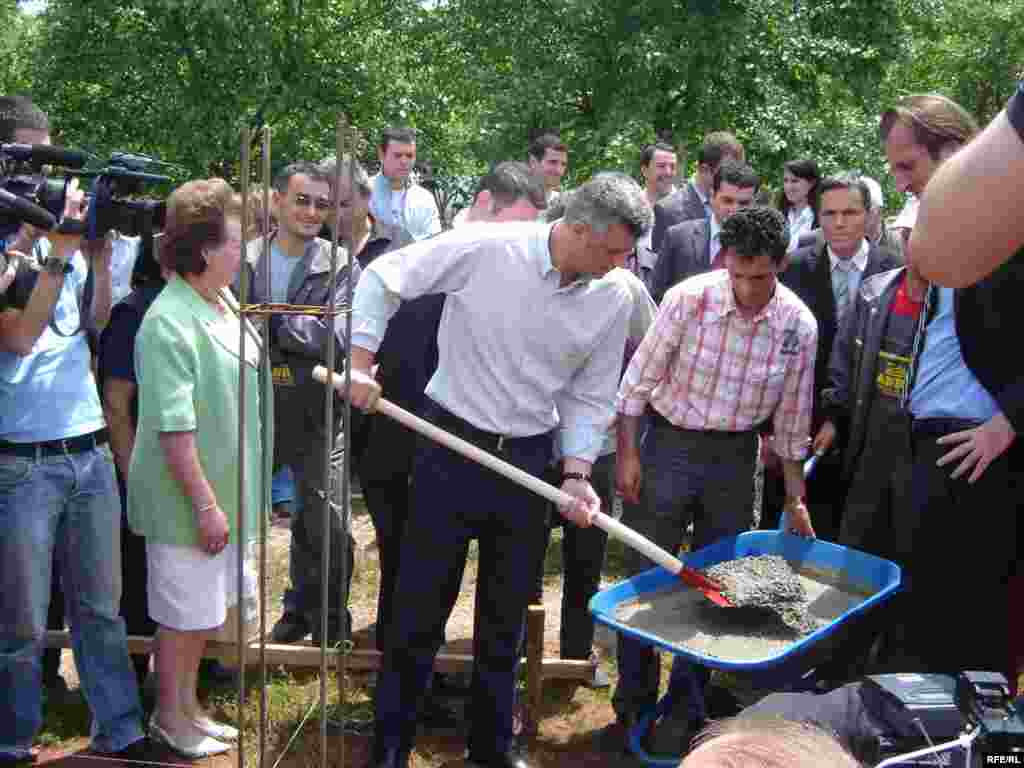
[755, 231]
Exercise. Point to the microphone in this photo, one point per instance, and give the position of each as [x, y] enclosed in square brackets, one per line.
[44, 154]
[26, 211]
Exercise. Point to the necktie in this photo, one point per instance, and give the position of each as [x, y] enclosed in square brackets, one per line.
[717, 261]
[841, 287]
[931, 305]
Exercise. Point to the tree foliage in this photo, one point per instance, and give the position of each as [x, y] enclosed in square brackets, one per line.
[178, 78]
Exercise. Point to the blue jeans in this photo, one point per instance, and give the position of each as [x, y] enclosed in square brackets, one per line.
[66, 503]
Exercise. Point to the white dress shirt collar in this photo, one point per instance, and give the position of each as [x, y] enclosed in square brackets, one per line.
[859, 259]
[716, 228]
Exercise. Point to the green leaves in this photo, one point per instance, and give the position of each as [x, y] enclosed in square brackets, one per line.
[177, 78]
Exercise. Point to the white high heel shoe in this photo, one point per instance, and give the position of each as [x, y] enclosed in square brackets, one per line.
[219, 731]
[206, 747]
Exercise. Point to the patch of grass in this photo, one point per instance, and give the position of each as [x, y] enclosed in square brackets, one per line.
[66, 717]
[569, 716]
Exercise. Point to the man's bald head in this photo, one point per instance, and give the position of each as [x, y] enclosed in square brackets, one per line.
[766, 742]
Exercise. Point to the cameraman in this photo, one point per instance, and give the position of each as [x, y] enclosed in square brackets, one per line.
[57, 487]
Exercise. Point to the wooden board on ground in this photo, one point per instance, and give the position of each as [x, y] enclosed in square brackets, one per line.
[359, 659]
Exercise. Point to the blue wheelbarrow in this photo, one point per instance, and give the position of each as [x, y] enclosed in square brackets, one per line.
[873, 577]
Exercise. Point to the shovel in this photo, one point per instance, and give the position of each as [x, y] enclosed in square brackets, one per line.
[689, 576]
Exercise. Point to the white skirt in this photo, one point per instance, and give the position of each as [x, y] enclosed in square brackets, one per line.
[190, 590]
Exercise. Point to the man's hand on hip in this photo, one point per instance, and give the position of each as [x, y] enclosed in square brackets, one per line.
[585, 504]
[978, 447]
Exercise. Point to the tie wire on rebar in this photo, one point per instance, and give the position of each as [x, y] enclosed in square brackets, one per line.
[264, 311]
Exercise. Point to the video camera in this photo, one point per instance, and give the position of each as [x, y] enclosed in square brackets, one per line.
[28, 195]
[966, 720]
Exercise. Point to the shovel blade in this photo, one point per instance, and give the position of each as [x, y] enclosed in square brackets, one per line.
[710, 589]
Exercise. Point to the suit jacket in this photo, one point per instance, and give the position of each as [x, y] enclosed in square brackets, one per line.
[989, 318]
[809, 275]
[887, 242]
[685, 252]
[684, 205]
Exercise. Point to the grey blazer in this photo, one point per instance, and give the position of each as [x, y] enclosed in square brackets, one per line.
[684, 205]
[685, 252]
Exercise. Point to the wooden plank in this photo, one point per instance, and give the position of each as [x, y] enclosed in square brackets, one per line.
[534, 668]
[360, 659]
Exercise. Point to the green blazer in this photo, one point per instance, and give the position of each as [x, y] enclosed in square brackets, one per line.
[187, 358]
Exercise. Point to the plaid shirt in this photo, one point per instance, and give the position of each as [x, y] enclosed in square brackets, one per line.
[703, 366]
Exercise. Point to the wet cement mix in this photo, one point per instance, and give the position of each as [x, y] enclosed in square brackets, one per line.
[766, 583]
[776, 606]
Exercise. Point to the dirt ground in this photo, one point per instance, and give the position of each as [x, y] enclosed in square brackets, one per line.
[571, 716]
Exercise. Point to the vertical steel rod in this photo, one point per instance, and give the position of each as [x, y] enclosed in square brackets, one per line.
[240, 526]
[329, 357]
[346, 460]
[266, 389]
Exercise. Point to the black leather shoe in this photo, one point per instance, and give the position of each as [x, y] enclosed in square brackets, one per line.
[290, 628]
[336, 634]
[511, 759]
[390, 757]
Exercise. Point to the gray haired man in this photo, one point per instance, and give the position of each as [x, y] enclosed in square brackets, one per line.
[532, 345]
[358, 230]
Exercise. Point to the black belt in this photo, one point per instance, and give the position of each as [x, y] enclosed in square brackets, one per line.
[481, 438]
[939, 427]
[658, 420]
[55, 447]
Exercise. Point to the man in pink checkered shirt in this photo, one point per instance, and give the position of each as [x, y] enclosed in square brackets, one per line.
[729, 351]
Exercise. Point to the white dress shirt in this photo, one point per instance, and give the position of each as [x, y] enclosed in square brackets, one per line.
[519, 354]
[799, 224]
[715, 242]
[855, 267]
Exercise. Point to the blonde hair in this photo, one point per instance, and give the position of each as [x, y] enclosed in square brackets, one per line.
[935, 120]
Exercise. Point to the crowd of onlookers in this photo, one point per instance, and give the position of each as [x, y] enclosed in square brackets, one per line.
[678, 344]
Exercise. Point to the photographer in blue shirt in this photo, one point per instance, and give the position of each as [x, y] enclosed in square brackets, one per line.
[57, 486]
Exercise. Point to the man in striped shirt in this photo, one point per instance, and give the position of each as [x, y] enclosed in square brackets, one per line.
[730, 350]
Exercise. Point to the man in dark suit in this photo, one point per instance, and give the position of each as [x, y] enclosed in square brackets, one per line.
[693, 201]
[691, 247]
[827, 277]
[965, 400]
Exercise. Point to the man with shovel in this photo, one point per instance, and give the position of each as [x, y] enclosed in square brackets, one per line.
[530, 342]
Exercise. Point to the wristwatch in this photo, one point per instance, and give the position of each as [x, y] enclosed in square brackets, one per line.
[55, 265]
[575, 476]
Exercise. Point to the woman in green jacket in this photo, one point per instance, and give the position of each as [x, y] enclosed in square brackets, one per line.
[183, 493]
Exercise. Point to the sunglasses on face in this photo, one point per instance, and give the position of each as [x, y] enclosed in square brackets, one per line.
[305, 201]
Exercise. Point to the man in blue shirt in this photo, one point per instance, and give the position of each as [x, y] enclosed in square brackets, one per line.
[57, 490]
[964, 397]
[405, 211]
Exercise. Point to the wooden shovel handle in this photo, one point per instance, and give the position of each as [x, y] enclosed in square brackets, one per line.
[613, 527]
